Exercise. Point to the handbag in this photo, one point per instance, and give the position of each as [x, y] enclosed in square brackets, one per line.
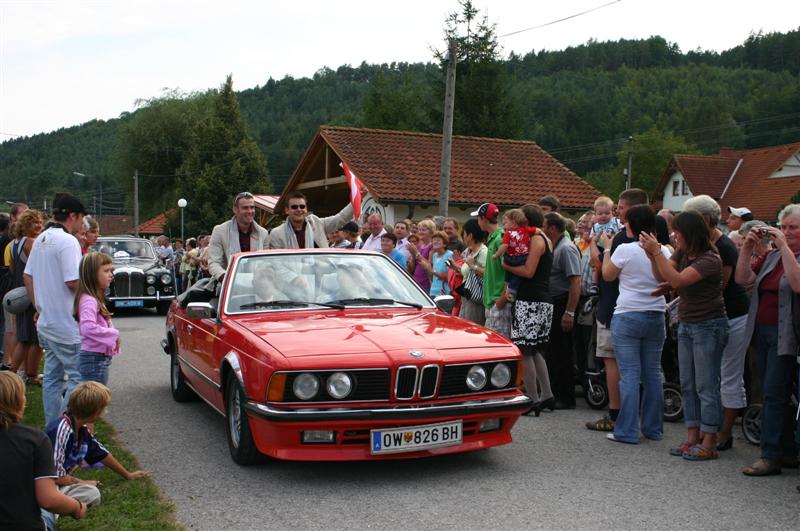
[474, 287]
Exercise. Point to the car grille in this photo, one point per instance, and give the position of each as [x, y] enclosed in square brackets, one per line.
[454, 378]
[406, 383]
[129, 284]
[369, 384]
[427, 384]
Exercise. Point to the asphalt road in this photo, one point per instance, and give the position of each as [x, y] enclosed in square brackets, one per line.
[556, 474]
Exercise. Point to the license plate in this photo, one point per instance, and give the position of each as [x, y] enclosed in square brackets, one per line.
[413, 438]
[129, 304]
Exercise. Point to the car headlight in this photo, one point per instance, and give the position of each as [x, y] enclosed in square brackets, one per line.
[339, 385]
[476, 378]
[305, 386]
[166, 279]
[151, 290]
[501, 375]
[151, 279]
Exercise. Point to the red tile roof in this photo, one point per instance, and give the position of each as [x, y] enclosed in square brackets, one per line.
[404, 166]
[115, 225]
[153, 225]
[753, 188]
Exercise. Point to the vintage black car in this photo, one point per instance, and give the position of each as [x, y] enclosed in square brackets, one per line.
[141, 280]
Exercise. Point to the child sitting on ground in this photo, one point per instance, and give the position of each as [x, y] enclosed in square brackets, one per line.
[73, 443]
[605, 222]
[515, 246]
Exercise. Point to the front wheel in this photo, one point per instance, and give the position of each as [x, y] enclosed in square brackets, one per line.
[237, 424]
[596, 395]
[751, 424]
[673, 402]
[181, 392]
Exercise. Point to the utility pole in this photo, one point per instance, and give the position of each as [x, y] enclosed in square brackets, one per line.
[630, 162]
[447, 129]
[136, 203]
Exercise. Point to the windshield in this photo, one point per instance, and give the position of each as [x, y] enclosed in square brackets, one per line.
[337, 280]
[121, 249]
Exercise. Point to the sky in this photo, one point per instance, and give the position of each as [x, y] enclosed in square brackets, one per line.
[65, 62]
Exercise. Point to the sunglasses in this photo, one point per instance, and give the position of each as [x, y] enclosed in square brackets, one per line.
[297, 207]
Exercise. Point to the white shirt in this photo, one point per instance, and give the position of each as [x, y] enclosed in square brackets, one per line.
[636, 280]
[373, 243]
[54, 260]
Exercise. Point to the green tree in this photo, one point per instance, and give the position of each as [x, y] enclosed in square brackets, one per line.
[222, 161]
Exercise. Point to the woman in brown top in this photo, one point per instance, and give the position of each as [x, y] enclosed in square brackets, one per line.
[695, 270]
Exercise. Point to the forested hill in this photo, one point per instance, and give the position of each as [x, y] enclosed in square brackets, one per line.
[580, 104]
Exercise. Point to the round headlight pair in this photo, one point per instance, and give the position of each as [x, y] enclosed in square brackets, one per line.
[476, 377]
[306, 385]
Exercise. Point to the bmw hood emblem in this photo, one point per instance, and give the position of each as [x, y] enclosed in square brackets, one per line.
[416, 354]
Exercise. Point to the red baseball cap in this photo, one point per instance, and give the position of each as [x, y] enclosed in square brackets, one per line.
[487, 210]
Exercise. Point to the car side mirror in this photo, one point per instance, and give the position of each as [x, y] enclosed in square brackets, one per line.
[445, 303]
[201, 310]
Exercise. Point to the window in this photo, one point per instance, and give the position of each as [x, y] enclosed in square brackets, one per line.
[676, 187]
[684, 188]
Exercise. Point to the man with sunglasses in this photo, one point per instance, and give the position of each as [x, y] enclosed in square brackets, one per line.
[239, 234]
[303, 230]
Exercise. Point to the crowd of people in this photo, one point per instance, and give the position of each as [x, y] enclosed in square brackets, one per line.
[608, 289]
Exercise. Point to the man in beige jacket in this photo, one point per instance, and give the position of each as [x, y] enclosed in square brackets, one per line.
[303, 230]
[239, 234]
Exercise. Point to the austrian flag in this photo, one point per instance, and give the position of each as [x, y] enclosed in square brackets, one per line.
[355, 190]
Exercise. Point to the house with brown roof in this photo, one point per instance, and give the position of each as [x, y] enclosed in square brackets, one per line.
[400, 169]
[762, 179]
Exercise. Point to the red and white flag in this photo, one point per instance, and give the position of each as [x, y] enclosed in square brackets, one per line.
[355, 190]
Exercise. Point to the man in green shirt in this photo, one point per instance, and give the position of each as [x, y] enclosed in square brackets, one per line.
[498, 313]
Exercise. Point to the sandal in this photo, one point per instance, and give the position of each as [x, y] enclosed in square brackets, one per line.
[34, 380]
[762, 467]
[603, 424]
[678, 451]
[700, 453]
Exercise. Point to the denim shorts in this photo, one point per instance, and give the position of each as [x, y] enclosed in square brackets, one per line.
[94, 366]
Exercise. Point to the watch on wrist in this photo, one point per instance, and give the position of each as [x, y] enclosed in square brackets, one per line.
[567, 312]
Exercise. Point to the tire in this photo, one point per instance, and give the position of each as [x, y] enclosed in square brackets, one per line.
[751, 424]
[673, 402]
[181, 392]
[596, 396]
[237, 424]
[163, 307]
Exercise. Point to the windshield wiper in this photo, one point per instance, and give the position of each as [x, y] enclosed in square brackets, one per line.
[371, 301]
[288, 304]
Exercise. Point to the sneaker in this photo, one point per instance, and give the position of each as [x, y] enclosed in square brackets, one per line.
[603, 424]
[678, 451]
[701, 453]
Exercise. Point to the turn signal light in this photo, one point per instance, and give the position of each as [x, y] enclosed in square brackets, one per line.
[518, 379]
[277, 386]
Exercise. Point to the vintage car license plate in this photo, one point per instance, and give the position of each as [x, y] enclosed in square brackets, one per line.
[413, 438]
[129, 304]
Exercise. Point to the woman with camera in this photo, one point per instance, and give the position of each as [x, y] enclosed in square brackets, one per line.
[776, 280]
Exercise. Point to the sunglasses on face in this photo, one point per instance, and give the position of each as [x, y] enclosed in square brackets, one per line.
[297, 207]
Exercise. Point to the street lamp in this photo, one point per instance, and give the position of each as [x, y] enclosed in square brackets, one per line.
[182, 204]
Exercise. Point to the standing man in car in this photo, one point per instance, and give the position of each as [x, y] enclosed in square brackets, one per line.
[239, 234]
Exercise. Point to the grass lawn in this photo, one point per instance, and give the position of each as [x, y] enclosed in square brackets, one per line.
[135, 504]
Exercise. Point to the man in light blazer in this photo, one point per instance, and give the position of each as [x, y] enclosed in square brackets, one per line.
[239, 234]
[303, 230]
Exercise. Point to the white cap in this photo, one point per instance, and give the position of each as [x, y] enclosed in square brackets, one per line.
[739, 211]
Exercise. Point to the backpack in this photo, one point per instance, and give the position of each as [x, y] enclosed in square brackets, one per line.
[6, 277]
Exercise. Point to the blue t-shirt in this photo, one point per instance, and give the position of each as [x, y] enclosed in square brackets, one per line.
[70, 448]
[400, 258]
[439, 263]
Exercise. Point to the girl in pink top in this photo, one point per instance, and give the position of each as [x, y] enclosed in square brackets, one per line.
[99, 338]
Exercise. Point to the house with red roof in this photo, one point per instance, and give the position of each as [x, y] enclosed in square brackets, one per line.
[762, 179]
[400, 169]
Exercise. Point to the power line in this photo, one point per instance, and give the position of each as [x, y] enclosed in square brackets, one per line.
[560, 20]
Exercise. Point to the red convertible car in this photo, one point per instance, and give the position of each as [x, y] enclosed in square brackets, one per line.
[338, 355]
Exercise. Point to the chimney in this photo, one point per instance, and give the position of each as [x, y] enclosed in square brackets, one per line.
[728, 152]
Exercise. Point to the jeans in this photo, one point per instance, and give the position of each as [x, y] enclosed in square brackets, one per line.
[94, 366]
[700, 347]
[60, 360]
[777, 418]
[732, 367]
[638, 339]
[513, 280]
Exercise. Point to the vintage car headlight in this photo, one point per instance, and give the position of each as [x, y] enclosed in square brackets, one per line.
[339, 385]
[305, 386]
[150, 279]
[166, 279]
[501, 375]
[476, 378]
[151, 290]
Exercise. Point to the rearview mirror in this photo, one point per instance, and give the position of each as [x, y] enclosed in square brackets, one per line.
[201, 310]
[446, 303]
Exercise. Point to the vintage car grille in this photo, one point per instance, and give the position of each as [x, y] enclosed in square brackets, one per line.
[427, 384]
[406, 383]
[368, 384]
[129, 284]
[454, 378]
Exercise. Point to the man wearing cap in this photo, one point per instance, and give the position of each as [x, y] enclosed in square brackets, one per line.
[348, 236]
[498, 313]
[737, 216]
[51, 279]
[239, 234]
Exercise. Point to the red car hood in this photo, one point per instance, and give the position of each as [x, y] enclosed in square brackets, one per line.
[368, 332]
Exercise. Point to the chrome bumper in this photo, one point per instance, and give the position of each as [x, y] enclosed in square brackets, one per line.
[155, 297]
[520, 403]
